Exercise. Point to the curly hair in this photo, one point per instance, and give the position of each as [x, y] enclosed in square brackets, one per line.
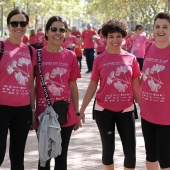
[162, 15]
[114, 25]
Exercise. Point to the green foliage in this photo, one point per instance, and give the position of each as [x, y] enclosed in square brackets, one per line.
[136, 11]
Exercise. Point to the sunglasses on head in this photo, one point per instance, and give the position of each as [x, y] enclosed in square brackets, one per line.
[21, 23]
[61, 30]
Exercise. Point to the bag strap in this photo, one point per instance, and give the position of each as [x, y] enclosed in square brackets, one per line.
[30, 49]
[42, 78]
[2, 49]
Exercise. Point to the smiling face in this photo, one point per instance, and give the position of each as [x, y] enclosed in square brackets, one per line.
[17, 32]
[56, 38]
[162, 30]
[114, 42]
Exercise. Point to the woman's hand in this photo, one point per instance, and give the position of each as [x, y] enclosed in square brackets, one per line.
[81, 122]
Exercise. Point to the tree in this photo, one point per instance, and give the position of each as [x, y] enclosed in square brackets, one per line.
[133, 11]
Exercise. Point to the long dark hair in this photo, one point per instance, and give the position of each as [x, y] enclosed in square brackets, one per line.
[53, 19]
[15, 12]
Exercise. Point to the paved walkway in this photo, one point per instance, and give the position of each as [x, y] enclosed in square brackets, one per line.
[85, 145]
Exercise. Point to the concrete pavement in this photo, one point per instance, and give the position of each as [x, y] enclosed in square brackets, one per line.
[85, 145]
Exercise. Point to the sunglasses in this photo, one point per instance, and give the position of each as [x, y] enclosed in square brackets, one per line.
[14, 24]
[61, 30]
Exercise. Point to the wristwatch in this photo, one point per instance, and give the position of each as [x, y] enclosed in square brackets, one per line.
[78, 113]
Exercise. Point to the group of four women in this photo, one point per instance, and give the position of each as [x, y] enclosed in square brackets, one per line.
[116, 70]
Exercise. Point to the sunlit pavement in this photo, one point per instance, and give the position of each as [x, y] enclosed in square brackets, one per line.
[85, 145]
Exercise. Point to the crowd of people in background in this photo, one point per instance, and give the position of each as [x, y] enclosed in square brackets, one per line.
[40, 71]
[90, 42]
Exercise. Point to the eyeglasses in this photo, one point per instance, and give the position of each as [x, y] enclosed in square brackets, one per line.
[61, 30]
[22, 24]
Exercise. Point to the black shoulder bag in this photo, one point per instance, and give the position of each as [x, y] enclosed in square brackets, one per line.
[61, 107]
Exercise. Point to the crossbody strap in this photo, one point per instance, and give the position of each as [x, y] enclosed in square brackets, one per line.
[30, 50]
[2, 49]
[42, 78]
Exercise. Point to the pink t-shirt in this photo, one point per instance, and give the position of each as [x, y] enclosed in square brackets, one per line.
[32, 39]
[15, 69]
[101, 44]
[70, 40]
[115, 73]
[40, 38]
[25, 39]
[75, 33]
[138, 46]
[155, 98]
[87, 38]
[58, 70]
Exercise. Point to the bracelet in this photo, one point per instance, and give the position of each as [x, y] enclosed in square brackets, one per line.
[78, 113]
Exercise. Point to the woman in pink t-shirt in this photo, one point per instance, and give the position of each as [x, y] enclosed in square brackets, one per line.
[118, 72]
[155, 96]
[101, 43]
[32, 38]
[60, 71]
[16, 89]
[70, 41]
[139, 39]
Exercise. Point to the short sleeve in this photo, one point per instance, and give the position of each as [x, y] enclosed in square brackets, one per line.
[75, 72]
[135, 68]
[95, 72]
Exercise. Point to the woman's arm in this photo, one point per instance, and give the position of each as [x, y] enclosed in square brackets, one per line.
[88, 96]
[32, 97]
[136, 90]
[75, 100]
[74, 95]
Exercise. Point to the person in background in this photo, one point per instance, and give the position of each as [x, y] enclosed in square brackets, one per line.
[89, 37]
[25, 39]
[79, 50]
[70, 40]
[127, 43]
[139, 39]
[60, 71]
[75, 32]
[40, 36]
[155, 96]
[16, 90]
[101, 43]
[117, 72]
[32, 38]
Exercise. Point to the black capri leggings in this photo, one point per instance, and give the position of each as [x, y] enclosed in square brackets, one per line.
[125, 123]
[18, 120]
[61, 160]
[157, 143]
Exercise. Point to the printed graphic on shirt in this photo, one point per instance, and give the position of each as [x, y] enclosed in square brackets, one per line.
[153, 78]
[17, 69]
[114, 78]
[55, 87]
[20, 70]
